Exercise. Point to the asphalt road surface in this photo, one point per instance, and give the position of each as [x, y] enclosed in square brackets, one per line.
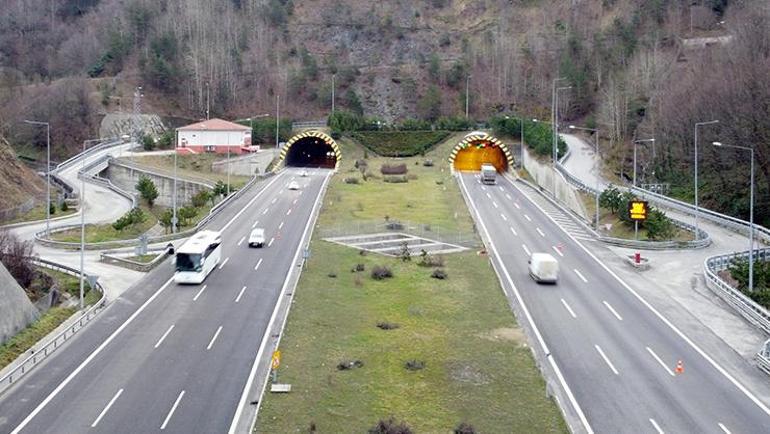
[171, 358]
[617, 354]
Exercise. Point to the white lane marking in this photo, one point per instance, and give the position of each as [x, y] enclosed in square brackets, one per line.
[655, 425]
[513, 231]
[489, 196]
[295, 202]
[542, 234]
[507, 196]
[494, 203]
[660, 316]
[604, 356]
[500, 187]
[288, 212]
[225, 261]
[557, 250]
[580, 276]
[160, 341]
[256, 222]
[531, 321]
[238, 298]
[271, 242]
[255, 365]
[107, 407]
[483, 188]
[526, 250]
[199, 293]
[241, 241]
[274, 200]
[265, 211]
[669, 371]
[724, 428]
[620, 318]
[503, 216]
[173, 409]
[569, 309]
[258, 264]
[527, 217]
[123, 326]
[280, 226]
[214, 338]
[516, 205]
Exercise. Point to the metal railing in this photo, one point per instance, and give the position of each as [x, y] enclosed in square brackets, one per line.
[747, 307]
[432, 232]
[763, 357]
[40, 353]
[72, 160]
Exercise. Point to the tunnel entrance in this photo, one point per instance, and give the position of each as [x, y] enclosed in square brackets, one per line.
[311, 149]
[478, 148]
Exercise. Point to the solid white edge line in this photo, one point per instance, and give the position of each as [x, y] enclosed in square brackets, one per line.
[237, 299]
[122, 327]
[526, 250]
[569, 309]
[580, 275]
[225, 261]
[531, 321]
[214, 338]
[617, 315]
[263, 344]
[655, 425]
[203, 288]
[173, 409]
[271, 242]
[107, 408]
[162, 338]
[559, 252]
[604, 356]
[241, 241]
[258, 264]
[542, 234]
[724, 428]
[652, 353]
[660, 316]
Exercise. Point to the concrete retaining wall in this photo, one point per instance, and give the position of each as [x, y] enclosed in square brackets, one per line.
[126, 178]
[16, 311]
[546, 177]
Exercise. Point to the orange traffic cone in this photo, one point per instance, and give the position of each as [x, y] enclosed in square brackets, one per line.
[679, 367]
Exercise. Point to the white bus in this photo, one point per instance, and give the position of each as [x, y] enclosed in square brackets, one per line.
[197, 257]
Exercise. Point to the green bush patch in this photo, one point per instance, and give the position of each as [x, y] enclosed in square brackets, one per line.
[399, 143]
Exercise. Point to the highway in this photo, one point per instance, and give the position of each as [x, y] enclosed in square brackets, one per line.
[614, 352]
[171, 358]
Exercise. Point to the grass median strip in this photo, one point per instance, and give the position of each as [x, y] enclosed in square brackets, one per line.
[430, 349]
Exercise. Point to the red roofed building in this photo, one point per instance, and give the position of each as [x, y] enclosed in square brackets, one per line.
[213, 135]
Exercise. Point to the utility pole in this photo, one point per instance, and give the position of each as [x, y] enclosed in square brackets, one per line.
[207, 100]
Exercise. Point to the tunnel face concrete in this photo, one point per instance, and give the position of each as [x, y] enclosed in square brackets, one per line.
[473, 156]
[311, 149]
[478, 148]
[311, 152]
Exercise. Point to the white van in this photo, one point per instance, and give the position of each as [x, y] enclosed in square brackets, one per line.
[543, 268]
[257, 237]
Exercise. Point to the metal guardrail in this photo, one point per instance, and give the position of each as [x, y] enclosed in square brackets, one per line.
[763, 357]
[747, 307]
[108, 143]
[40, 353]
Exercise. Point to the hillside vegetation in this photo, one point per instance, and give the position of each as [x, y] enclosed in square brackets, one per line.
[18, 183]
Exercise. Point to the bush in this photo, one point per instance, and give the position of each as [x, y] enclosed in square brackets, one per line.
[52, 208]
[201, 198]
[394, 169]
[395, 179]
[346, 365]
[454, 124]
[464, 428]
[390, 426]
[359, 267]
[428, 260]
[405, 254]
[351, 180]
[414, 365]
[15, 254]
[659, 226]
[399, 143]
[384, 325]
[64, 206]
[332, 274]
[133, 217]
[439, 273]
[381, 272]
[537, 135]
[147, 190]
[148, 143]
[415, 125]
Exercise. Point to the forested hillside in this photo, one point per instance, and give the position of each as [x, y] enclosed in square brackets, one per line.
[638, 69]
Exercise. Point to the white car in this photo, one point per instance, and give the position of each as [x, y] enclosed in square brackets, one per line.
[257, 238]
[293, 185]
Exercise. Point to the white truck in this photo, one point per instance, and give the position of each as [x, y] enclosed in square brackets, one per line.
[488, 174]
[543, 268]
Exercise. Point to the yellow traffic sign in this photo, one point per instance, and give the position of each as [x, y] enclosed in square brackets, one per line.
[637, 210]
[276, 362]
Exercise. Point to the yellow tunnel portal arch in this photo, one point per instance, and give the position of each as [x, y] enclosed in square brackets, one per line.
[478, 148]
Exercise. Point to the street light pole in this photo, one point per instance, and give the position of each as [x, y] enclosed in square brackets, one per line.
[174, 218]
[467, 87]
[635, 143]
[208, 100]
[697, 210]
[556, 126]
[596, 184]
[333, 75]
[751, 211]
[277, 118]
[48, 173]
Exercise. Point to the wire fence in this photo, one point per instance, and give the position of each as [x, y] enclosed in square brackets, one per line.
[422, 230]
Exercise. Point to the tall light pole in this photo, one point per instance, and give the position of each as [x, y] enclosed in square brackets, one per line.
[208, 100]
[553, 111]
[48, 173]
[333, 75]
[467, 87]
[596, 185]
[556, 126]
[83, 216]
[277, 118]
[635, 143]
[751, 211]
[553, 167]
[697, 210]
[174, 219]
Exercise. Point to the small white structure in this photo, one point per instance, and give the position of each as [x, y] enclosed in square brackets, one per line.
[214, 135]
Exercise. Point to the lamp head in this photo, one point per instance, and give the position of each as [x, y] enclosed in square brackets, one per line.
[717, 143]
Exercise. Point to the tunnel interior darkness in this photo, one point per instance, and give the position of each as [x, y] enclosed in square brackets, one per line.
[477, 153]
[311, 152]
